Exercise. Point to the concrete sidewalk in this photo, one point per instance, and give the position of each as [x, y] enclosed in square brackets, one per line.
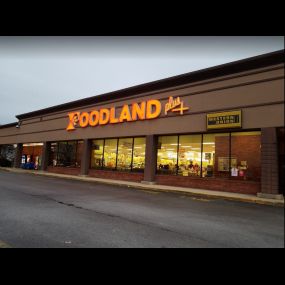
[162, 188]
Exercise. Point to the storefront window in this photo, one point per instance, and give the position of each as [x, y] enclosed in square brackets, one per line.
[62, 159]
[215, 156]
[110, 154]
[7, 155]
[53, 154]
[125, 152]
[246, 149]
[129, 157]
[209, 155]
[32, 155]
[167, 155]
[189, 155]
[139, 155]
[66, 154]
[97, 154]
[79, 152]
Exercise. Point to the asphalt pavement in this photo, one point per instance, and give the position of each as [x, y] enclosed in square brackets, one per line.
[47, 212]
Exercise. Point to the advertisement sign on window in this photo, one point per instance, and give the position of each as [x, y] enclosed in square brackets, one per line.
[224, 163]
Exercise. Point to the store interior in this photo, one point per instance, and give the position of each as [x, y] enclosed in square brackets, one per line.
[211, 155]
[124, 154]
[32, 156]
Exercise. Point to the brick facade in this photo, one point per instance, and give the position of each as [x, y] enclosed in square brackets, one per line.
[116, 175]
[64, 170]
[218, 184]
[227, 185]
[269, 154]
[281, 158]
[247, 148]
[243, 148]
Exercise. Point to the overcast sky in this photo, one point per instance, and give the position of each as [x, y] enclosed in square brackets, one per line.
[39, 72]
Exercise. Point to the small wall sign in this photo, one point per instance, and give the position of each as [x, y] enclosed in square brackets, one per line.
[231, 119]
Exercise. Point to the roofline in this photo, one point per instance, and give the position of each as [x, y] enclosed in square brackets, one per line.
[260, 61]
[8, 125]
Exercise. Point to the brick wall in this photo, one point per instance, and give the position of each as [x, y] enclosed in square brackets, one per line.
[281, 159]
[247, 148]
[64, 170]
[116, 175]
[269, 154]
[243, 148]
[246, 187]
[218, 184]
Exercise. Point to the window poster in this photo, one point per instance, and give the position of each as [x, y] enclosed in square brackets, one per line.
[223, 163]
[208, 156]
[234, 171]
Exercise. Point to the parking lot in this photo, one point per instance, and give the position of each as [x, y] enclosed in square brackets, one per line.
[40, 211]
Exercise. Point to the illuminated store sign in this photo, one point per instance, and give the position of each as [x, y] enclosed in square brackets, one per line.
[175, 105]
[146, 110]
[222, 120]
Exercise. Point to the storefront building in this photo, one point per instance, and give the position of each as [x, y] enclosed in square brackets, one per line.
[220, 128]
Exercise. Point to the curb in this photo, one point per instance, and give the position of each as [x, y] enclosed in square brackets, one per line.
[160, 188]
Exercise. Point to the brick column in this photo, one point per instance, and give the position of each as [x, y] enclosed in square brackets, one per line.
[86, 156]
[45, 156]
[1, 147]
[150, 160]
[18, 155]
[269, 163]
